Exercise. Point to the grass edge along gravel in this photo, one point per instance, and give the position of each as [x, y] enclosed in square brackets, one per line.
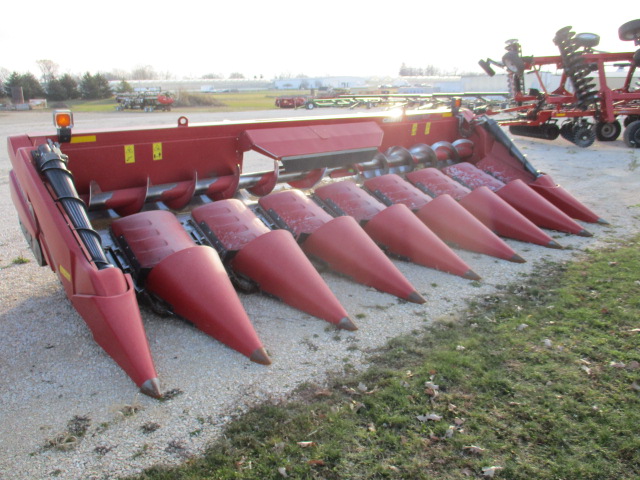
[539, 380]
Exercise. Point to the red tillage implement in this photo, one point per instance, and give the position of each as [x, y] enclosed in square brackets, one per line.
[147, 214]
[578, 109]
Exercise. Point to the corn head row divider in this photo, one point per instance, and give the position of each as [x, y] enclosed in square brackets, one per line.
[167, 216]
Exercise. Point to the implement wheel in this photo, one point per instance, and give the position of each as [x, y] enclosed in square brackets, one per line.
[583, 136]
[629, 119]
[608, 132]
[566, 131]
[632, 134]
[551, 131]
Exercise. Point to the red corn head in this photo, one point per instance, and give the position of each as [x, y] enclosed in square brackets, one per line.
[190, 278]
[396, 228]
[116, 325]
[270, 258]
[542, 184]
[443, 215]
[562, 199]
[485, 205]
[533, 206]
[339, 242]
[452, 222]
[539, 210]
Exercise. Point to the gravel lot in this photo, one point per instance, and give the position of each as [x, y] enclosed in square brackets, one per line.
[54, 376]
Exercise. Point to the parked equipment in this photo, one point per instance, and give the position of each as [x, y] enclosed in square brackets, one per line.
[149, 101]
[172, 236]
[580, 110]
[291, 101]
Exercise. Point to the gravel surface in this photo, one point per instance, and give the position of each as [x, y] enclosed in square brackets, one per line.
[55, 378]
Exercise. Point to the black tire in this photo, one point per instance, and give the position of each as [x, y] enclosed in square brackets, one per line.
[629, 30]
[608, 132]
[631, 135]
[310, 106]
[566, 131]
[629, 119]
[584, 136]
[551, 131]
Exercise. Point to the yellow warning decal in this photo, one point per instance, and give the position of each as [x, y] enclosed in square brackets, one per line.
[65, 273]
[129, 154]
[561, 114]
[83, 139]
[414, 129]
[447, 114]
[157, 151]
[427, 128]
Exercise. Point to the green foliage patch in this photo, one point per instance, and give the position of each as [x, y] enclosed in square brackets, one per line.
[539, 380]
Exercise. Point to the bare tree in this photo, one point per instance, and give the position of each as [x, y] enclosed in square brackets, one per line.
[212, 76]
[49, 70]
[4, 74]
[144, 72]
[166, 75]
[118, 74]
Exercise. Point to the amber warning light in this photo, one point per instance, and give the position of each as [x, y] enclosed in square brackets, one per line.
[63, 120]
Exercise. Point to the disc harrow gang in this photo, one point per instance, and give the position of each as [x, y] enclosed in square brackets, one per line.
[583, 106]
[181, 225]
[575, 67]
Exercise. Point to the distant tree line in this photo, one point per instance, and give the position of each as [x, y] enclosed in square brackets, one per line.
[65, 87]
[431, 71]
[428, 71]
[55, 87]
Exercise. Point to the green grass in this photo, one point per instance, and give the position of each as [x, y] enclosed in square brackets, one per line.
[105, 105]
[20, 260]
[244, 101]
[229, 102]
[540, 379]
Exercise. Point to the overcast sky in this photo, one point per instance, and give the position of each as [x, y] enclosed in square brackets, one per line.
[272, 38]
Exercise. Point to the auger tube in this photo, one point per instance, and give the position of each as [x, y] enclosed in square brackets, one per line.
[52, 163]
